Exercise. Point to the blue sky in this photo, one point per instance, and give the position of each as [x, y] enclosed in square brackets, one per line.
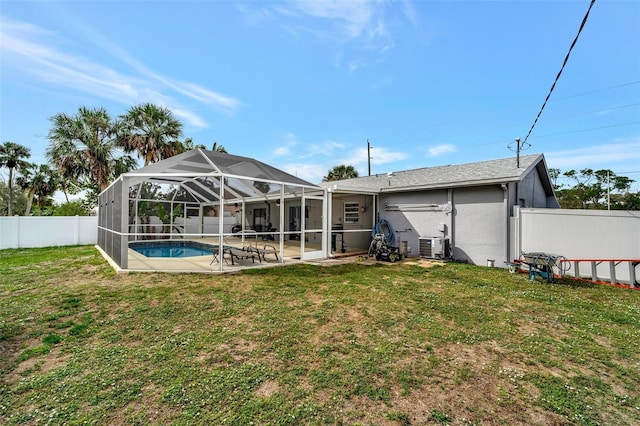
[303, 85]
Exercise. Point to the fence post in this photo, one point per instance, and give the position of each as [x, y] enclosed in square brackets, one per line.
[76, 236]
[18, 237]
[612, 272]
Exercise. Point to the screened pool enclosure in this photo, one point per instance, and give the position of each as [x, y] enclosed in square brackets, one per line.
[239, 211]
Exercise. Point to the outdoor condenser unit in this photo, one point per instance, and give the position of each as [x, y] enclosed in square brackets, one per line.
[434, 247]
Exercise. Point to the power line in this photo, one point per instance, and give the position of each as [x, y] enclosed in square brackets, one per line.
[589, 129]
[523, 147]
[613, 108]
[566, 59]
[601, 90]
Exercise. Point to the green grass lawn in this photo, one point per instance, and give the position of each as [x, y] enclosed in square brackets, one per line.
[370, 344]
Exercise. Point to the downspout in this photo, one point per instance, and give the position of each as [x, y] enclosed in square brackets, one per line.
[507, 232]
[327, 223]
[451, 223]
[281, 234]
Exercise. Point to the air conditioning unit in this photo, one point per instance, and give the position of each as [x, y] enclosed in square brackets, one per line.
[434, 247]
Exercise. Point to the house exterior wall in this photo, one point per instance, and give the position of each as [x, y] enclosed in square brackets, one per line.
[421, 220]
[479, 224]
[531, 193]
[355, 235]
[477, 227]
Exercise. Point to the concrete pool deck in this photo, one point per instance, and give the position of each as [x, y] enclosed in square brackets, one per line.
[203, 264]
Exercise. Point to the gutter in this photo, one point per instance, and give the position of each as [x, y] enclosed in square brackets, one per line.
[447, 185]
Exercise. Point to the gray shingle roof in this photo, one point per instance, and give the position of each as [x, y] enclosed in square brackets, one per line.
[202, 161]
[471, 174]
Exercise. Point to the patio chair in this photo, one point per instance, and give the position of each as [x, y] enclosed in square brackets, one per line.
[267, 250]
[249, 248]
[216, 251]
[240, 254]
[269, 237]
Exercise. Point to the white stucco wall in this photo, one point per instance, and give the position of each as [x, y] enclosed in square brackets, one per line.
[356, 235]
[410, 224]
[479, 225]
[531, 191]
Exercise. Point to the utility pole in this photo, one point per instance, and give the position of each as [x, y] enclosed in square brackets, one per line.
[520, 146]
[608, 191]
[369, 156]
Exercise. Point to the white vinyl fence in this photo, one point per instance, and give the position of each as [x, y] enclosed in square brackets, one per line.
[44, 231]
[574, 234]
[581, 234]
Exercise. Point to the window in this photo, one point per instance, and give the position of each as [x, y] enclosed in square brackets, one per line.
[351, 212]
[260, 219]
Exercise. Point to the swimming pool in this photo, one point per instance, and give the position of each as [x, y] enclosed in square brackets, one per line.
[172, 249]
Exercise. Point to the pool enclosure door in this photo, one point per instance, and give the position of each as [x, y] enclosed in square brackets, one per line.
[313, 245]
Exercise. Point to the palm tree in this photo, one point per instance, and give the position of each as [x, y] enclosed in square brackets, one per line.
[39, 181]
[218, 148]
[19, 199]
[63, 156]
[82, 147]
[150, 131]
[13, 155]
[188, 145]
[341, 172]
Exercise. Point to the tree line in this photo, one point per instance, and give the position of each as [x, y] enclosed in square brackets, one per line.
[594, 189]
[88, 150]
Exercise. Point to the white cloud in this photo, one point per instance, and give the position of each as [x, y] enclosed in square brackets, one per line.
[359, 32]
[355, 28]
[35, 52]
[286, 146]
[618, 153]
[354, 18]
[409, 11]
[292, 148]
[283, 151]
[207, 96]
[446, 148]
[379, 156]
[310, 172]
[189, 117]
[312, 161]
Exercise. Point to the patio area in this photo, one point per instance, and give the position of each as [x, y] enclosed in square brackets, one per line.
[201, 195]
[208, 264]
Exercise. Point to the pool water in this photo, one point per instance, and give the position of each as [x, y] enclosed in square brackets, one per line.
[170, 250]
